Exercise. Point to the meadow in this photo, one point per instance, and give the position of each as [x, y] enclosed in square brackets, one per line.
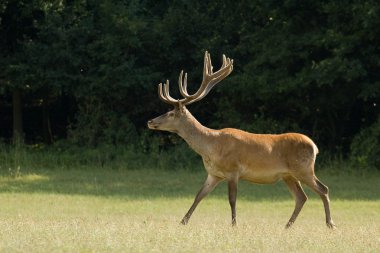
[122, 210]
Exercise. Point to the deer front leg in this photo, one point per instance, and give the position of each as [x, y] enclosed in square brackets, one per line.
[207, 187]
[232, 192]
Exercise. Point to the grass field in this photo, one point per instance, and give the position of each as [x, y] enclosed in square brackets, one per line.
[139, 211]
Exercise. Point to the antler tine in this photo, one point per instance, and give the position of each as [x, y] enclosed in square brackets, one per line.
[224, 61]
[166, 92]
[227, 63]
[183, 86]
[185, 83]
[205, 66]
[180, 82]
[209, 64]
[161, 94]
[164, 96]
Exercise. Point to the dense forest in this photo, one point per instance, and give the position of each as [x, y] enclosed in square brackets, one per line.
[85, 72]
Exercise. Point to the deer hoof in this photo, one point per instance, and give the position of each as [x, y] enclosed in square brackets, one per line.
[289, 224]
[331, 225]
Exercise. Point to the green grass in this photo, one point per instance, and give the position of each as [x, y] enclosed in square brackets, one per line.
[105, 210]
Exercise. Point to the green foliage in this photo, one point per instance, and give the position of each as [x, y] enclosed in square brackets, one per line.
[305, 66]
[64, 155]
[98, 125]
[366, 147]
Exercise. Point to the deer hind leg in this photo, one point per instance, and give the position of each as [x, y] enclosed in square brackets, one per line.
[207, 187]
[323, 191]
[299, 195]
[232, 192]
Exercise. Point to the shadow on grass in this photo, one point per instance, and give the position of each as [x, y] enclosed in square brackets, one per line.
[143, 184]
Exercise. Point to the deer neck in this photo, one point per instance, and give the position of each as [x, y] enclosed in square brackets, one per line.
[199, 137]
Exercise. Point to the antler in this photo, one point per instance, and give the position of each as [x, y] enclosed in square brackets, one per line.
[210, 79]
[165, 96]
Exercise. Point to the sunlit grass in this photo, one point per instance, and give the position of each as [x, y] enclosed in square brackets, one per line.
[139, 211]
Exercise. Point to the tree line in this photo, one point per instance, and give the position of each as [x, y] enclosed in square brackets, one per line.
[86, 71]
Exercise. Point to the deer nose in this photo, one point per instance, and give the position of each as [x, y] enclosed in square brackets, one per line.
[150, 122]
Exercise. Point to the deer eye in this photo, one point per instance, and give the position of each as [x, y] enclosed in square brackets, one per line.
[170, 114]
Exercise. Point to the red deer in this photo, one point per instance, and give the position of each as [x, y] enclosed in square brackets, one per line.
[232, 154]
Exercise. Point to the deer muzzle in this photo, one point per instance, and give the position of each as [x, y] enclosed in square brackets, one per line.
[152, 125]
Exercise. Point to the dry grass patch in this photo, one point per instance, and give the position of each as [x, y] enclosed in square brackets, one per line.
[38, 215]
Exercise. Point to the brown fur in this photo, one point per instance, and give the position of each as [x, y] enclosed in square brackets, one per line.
[232, 154]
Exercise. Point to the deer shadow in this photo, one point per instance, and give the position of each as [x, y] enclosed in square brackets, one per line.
[145, 184]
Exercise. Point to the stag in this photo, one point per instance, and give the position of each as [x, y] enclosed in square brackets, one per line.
[232, 154]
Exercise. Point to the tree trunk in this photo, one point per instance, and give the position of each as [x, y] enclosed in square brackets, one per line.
[18, 135]
[48, 136]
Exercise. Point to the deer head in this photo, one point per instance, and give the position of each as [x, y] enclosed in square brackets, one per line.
[172, 120]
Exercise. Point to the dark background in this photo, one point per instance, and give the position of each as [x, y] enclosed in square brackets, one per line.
[86, 72]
